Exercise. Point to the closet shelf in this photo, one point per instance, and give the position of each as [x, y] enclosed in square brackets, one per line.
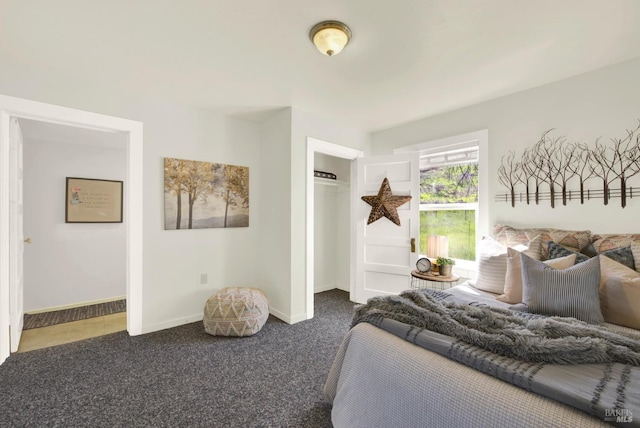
[330, 182]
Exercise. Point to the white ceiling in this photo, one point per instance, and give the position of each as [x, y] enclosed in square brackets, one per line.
[407, 59]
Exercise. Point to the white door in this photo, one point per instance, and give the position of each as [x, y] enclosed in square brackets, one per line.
[386, 253]
[16, 235]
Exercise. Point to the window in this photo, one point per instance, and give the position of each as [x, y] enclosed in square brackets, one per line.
[449, 151]
[449, 199]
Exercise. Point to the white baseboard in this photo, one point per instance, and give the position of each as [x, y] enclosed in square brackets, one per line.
[343, 287]
[289, 320]
[75, 305]
[172, 323]
[321, 288]
[198, 317]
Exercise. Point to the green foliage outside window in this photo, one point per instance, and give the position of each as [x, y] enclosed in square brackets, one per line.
[452, 184]
[458, 225]
[449, 184]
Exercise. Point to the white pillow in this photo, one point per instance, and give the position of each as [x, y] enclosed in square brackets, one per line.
[513, 278]
[492, 262]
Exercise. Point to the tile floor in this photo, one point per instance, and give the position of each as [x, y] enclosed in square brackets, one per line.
[45, 337]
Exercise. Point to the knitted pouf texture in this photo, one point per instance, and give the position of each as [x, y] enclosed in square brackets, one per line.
[236, 311]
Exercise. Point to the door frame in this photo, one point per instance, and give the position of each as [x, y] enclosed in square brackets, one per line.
[21, 108]
[314, 146]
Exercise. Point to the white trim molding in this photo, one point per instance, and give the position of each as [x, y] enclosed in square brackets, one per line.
[21, 108]
[318, 146]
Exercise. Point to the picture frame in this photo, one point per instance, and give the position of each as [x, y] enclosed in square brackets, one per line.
[205, 195]
[91, 200]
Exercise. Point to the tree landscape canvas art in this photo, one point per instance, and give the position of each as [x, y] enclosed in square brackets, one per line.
[202, 195]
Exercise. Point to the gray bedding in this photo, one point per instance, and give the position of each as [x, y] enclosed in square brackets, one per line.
[606, 389]
[585, 366]
[518, 335]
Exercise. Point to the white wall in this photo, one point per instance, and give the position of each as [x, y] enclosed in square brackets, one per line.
[69, 264]
[270, 253]
[274, 252]
[172, 260]
[602, 103]
[304, 125]
[324, 253]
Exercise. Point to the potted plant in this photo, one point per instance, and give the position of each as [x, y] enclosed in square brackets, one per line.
[444, 265]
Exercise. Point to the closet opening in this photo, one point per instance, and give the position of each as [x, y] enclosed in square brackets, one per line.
[330, 237]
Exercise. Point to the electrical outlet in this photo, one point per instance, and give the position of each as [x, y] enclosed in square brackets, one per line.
[203, 278]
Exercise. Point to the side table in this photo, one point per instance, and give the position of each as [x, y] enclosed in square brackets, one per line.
[432, 280]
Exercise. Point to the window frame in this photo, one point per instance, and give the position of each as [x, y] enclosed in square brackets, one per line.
[481, 140]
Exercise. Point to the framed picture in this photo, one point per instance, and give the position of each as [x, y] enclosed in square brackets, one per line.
[203, 195]
[90, 200]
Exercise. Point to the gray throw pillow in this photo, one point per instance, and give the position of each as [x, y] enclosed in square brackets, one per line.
[622, 255]
[571, 292]
[556, 250]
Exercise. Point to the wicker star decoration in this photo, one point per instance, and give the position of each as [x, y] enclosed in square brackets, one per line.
[385, 204]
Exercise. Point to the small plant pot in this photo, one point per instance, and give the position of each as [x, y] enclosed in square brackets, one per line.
[445, 270]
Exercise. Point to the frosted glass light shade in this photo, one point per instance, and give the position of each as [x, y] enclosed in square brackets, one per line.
[330, 37]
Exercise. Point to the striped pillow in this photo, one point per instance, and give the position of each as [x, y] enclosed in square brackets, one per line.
[572, 292]
[513, 278]
[492, 262]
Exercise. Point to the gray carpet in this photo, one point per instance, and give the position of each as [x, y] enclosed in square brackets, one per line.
[45, 319]
[181, 377]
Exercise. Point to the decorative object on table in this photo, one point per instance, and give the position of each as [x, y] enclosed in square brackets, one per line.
[385, 204]
[445, 265]
[236, 311]
[90, 200]
[554, 164]
[423, 265]
[322, 174]
[437, 246]
[200, 195]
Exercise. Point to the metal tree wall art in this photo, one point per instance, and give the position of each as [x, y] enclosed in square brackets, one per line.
[554, 164]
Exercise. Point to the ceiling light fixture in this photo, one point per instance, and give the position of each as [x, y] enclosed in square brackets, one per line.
[330, 37]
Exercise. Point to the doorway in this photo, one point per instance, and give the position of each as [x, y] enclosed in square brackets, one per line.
[74, 273]
[11, 107]
[332, 200]
[317, 147]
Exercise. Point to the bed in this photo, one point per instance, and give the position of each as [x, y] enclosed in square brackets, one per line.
[388, 373]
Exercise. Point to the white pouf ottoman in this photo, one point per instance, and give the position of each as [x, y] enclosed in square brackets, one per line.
[236, 311]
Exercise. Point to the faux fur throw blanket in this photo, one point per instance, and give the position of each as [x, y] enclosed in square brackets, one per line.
[521, 336]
